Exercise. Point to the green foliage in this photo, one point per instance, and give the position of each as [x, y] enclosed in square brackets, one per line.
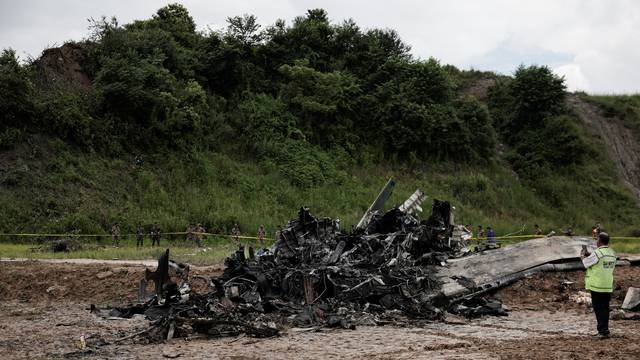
[302, 164]
[17, 109]
[418, 115]
[422, 82]
[478, 131]
[244, 30]
[537, 93]
[247, 124]
[522, 103]
[558, 144]
[529, 110]
[625, 107]
[151, 106]
[158, 84]
[265, 120]
[61, 189]
[472, 190]
[10, 136]
[271, 134]
[500, 103]
[66, 113]
[175, 19]
[325, 103]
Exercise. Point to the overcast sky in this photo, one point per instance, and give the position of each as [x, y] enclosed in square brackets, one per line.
[595, 44]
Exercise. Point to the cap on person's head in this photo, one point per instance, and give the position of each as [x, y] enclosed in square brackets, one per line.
[603, 237]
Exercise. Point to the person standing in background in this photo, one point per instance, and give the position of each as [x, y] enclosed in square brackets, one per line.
[155, 234]
[236, 233]
[189, 235]
[115, 234]
[491, 236]
[139, 236]
[537, 230]
[200, 235]
[261, 234]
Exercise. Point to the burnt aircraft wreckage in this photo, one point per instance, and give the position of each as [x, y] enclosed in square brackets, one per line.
[391, 268]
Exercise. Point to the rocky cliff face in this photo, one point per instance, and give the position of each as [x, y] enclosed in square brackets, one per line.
[63, 65]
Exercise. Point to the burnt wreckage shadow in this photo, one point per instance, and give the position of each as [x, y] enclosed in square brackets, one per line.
[387, 270]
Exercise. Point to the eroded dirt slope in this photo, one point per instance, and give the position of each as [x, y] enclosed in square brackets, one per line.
[623, 147]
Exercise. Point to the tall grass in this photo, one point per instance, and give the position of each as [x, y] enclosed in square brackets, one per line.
[52, 188]
[624, 107]
[215, 250]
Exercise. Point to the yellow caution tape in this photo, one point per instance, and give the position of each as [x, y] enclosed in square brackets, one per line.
[267, 238]
[509, 237]
[233, 236]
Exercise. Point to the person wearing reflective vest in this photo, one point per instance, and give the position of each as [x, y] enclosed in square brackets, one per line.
[599, 281]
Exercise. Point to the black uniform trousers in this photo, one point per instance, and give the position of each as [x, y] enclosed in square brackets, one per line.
[600, 302]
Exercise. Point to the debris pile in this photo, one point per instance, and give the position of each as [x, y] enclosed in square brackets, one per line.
[384, 271]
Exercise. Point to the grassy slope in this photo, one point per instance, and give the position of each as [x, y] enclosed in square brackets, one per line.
[625, 107]
[46, 186]
[49, 187]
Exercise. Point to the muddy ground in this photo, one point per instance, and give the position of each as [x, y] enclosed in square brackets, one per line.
[44, 312]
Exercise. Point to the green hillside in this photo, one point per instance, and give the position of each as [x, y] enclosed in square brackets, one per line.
[166, 124]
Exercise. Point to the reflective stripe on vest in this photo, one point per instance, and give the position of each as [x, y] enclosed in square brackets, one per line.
[599, 277]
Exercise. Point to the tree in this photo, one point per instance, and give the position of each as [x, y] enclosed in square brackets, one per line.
[531, 116]
[244, 29]
[17, 109]
[175, 19]
[478, 127]
[159, 83]
[537, 93]
[325, 103]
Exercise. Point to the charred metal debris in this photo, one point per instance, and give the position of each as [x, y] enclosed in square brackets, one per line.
[384, 271]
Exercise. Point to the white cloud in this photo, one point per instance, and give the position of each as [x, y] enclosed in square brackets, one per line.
[597, 40]
[574, 77]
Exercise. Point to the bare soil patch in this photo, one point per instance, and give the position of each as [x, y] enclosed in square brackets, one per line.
[543, 324]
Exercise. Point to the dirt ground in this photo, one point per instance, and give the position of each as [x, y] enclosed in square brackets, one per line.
[45, 311]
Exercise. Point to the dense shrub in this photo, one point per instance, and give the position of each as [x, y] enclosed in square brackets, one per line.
[537, 93]
[531, 117]
[312, 88]
[17, 108]
[66, 113]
